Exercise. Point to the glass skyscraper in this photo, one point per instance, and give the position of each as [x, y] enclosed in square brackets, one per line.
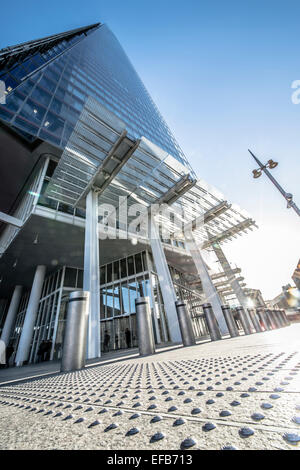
[91, 135]
[48, 81]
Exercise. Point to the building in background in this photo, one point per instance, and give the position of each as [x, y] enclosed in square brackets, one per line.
[289, 297]
[296, 276]
[78, 133]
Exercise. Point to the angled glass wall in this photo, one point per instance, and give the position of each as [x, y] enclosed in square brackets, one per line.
[47, 91]
[121, 281]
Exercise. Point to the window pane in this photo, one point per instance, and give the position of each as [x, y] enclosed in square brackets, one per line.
[70, 277]
[138, 263]
[130, 266]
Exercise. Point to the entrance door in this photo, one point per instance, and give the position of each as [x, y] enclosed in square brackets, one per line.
[121, 326]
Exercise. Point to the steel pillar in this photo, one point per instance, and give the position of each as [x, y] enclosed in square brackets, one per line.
[165, 281]
[30, 316]
[185, 323]
[91, 277]
[235, 285]
[11, 315]
[144, 326]
[74, 346]
[209, 289]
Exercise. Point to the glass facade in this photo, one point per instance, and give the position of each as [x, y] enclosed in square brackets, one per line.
[47, 90]
[121, 282]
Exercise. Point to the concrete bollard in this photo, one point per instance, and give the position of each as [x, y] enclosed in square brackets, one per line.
[254, 320]
[144, 326]
[211, 321]
[75, 338]
[185, 323]
[231, 325]
[244, 320]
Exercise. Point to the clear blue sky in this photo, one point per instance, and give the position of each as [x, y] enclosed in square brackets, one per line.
[221, 74]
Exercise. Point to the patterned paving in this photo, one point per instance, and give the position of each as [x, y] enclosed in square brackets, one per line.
[219, 401]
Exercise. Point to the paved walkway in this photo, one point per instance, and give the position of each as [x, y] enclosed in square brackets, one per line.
[241, 393]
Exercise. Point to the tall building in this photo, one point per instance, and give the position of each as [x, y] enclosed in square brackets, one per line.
[82, 144]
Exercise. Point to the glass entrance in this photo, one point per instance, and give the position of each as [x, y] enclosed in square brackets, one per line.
[118, 333]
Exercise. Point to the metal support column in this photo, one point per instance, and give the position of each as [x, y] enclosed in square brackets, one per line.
[209, 289]
[30, 316]
[11, 315]
[91, 278]
[235, 285]
[74, 347]
[165, 281]
[144, 326]
[185, 323]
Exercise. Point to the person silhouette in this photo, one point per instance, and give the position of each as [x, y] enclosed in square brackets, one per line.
[106, 341]
[128, 337]
[9, 353]
[2, 353]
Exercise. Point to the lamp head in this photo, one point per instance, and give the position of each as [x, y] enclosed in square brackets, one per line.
[272, 164]
[256, 173]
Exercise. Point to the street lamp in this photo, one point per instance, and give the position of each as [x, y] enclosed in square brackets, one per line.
[263, 168]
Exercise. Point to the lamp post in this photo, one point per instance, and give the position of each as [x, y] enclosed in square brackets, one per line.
[271, 164]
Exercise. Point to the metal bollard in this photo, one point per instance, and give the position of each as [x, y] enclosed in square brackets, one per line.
[232, 328]
[244, 320]
[254, 320]
[74, 346]
[284, 316]
[262, 316]
[276, 319]
[270, 322]
[185, 324]
[211, 321]
[279, 318]
[144, 326]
